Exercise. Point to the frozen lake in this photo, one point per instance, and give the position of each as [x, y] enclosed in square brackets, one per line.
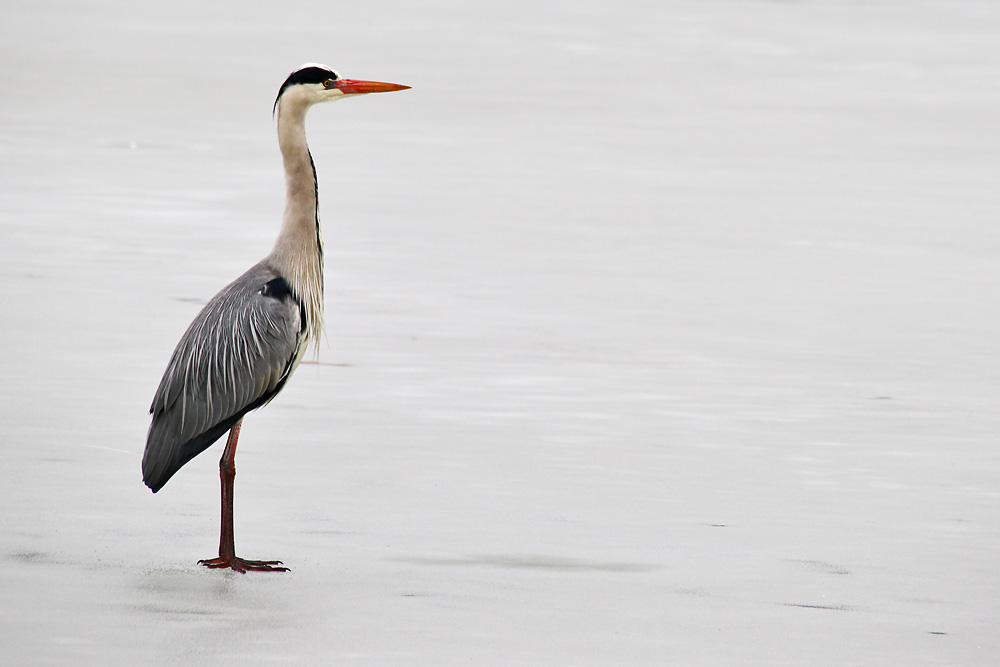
[659, 333]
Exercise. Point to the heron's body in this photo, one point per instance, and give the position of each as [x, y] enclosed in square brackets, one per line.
[242, 347]
[235, 357]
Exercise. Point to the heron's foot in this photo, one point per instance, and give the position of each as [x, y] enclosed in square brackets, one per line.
[241, 565]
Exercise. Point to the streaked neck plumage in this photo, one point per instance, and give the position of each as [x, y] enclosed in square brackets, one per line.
[298, 251]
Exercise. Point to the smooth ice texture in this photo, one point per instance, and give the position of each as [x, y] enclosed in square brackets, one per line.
[659, 333]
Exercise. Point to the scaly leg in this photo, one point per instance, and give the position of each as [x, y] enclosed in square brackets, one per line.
[227, 547]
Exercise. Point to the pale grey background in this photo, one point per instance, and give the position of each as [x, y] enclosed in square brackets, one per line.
[659, 333]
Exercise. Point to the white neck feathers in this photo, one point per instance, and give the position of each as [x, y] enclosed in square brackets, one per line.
[298, 251]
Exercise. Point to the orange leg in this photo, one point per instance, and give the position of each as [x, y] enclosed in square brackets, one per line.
[227, 548]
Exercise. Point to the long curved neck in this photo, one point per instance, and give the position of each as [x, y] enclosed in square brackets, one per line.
[298, 251]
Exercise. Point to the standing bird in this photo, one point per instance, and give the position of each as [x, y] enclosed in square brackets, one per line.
[246, 342]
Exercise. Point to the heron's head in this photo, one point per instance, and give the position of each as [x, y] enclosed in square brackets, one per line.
[313, 83]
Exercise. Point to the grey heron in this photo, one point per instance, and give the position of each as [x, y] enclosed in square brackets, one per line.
[243, 346]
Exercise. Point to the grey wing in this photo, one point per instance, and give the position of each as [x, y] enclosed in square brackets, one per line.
[235, 357]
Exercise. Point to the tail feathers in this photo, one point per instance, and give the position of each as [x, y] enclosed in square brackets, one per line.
[166, 453]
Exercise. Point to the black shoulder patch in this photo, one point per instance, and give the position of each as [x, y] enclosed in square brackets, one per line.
[276, 289]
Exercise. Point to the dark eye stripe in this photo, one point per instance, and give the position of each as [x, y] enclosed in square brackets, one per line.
[311, 74]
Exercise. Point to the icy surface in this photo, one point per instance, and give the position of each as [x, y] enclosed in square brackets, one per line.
[659, 333]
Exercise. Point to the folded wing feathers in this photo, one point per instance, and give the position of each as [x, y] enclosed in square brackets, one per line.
[236, 352]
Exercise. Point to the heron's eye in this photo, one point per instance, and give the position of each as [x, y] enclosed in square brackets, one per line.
[328, 83]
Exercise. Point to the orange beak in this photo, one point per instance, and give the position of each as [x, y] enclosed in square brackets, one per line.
[356, 87]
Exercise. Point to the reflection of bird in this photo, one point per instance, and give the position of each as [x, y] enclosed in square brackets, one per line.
[242, 347]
